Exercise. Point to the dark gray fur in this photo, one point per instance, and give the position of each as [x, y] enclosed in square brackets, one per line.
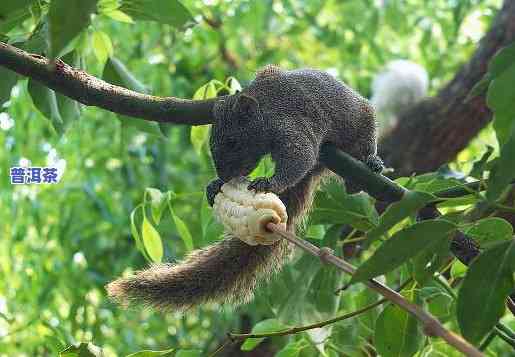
[290, 115]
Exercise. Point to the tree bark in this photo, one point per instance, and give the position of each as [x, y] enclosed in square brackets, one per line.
[92, 91]
[432, 132]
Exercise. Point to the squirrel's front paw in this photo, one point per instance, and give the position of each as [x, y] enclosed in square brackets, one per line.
[261, 184]
[265, 184]
[212, 190]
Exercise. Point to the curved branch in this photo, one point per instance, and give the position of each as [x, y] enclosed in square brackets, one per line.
[89, 90]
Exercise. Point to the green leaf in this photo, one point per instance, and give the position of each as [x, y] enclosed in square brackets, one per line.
[427, 262]
[207, 91]
[397, 333]
[431, 182]
[327, 280]
[13, 15]
[118, 16]
[45, 101]
[60, 110]
[189, 353]
[8, 80]
[183, 231]
[441, 305]
[9, 6]
[181, 227]
[458, 269]
[297, 306]
[265, 326]
[158, 202]
[403, 245]
[102, 46]
[481, 165]
[198, 136]
[503, 171]
[481, 299]
[152, 241]
[315, 231]
[125, 78]
[292, 349]
[149, 353]
[502, 60]
[500, 94]
[82, 349]
[233, 85]
[397, 211]
[503, 126]
[490, 230]
[367, 320]
[66, 19]
[37, 42]
[136, 235]
[170, 12]
[334, 206]
[265, 168]
[116, 73]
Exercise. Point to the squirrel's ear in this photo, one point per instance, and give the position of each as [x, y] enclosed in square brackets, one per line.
[246, 107]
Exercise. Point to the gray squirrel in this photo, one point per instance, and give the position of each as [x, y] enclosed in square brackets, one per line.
[401, 84]
[290, 115]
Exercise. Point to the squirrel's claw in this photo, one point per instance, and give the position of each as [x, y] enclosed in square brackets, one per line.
[375, 163]
[212, 190]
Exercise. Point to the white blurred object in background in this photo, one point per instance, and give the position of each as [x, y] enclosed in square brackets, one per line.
[401, 84]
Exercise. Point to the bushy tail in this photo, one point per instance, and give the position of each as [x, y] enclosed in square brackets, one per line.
[226, 272]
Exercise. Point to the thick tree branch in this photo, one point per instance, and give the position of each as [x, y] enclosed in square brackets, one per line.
[376, 185]
[434, 131]
[382, 188]
[89, 90]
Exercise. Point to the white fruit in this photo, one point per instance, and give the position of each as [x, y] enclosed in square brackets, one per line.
[245, 213]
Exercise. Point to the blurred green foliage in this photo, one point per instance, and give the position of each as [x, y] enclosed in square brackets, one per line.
[60, 244]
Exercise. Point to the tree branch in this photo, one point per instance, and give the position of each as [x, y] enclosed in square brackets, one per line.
[243, 336]
[384, 189]
[433, 132]
[294, 330]
[431, 326]
[89, 90]
[380, 187]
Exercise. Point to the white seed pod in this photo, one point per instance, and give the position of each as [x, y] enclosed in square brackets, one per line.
[245, 213]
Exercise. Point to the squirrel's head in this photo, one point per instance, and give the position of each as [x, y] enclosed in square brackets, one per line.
[237, 136]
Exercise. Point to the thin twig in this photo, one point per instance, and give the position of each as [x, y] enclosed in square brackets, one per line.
[506, 333]
[431, 326]
[506, 330]
[504, 337]
[227, 342]
[488, 340]
[294, 330]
